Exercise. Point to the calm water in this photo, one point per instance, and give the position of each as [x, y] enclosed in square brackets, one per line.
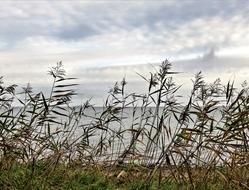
[128, 120]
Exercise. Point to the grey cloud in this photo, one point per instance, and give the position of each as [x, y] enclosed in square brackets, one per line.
[122, 29]
[77, 32]
[71, 21]
[214, 63]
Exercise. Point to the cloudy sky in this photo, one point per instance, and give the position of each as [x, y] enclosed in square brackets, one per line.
[101, 41]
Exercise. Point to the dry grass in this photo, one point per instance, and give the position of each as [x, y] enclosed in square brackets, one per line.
[203, 140]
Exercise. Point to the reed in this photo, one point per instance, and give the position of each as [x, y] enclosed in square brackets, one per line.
[192, 143]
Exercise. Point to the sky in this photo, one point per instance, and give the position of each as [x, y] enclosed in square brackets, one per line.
[100, 42]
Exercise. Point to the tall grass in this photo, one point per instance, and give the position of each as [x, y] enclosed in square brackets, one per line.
[204, 138]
